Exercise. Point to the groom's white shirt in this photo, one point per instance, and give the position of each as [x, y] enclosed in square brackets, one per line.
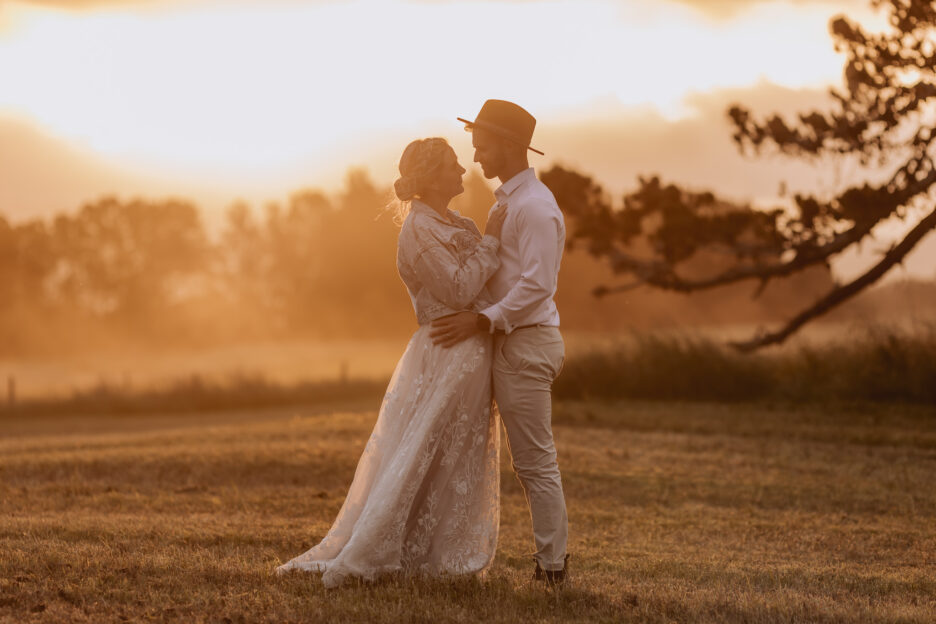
[532, 240]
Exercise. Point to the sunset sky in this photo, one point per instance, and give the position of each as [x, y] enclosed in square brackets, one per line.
[254, 99]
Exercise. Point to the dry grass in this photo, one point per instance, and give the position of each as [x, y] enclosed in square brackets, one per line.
[869, 363]
[679, 512]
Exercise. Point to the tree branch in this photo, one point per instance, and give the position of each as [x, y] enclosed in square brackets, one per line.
[604, 291]
[846, 291]
[662, 275]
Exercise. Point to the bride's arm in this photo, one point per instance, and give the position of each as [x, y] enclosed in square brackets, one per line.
[453, 283]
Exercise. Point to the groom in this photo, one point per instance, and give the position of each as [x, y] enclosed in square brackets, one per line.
[528, 349]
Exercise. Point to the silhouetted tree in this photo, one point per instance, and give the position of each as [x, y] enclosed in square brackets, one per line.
[883, 119]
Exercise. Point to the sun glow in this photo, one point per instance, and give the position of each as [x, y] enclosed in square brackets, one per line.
[251, 89]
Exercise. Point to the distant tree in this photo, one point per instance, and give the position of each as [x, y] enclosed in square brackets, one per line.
[321, 264]
[26, 259]
[884, 119]
[361, 279]
[242, 270]
[476, 201]
[127, 258]
[297, 261]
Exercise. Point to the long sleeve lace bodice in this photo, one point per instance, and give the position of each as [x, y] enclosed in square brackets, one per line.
[444, 263]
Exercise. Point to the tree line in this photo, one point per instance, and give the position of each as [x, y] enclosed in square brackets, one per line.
[324, 265]
[319, 266]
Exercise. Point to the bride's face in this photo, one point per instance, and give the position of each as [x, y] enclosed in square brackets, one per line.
[448, 179]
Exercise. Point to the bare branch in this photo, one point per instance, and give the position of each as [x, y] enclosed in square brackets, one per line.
[761, 287]
[603, 291]
[662, 276]
[846, 291]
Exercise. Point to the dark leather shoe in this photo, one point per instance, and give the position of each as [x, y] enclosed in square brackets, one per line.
[552, 577]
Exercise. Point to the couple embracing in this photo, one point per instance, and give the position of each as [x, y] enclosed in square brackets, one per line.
[425, 495]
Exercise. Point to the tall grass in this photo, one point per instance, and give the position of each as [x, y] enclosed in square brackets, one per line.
[875, 364]
[197, 393]
[870, 364]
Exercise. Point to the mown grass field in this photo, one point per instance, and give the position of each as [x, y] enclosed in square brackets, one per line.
[695, 512]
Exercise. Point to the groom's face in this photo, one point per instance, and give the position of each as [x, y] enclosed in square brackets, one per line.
[489, 152]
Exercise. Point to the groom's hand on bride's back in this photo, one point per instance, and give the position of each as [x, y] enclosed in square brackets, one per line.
[450, 330]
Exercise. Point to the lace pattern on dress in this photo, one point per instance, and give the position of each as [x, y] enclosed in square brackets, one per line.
[425, 495]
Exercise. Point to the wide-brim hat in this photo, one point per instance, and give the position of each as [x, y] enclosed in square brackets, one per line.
[505, 119]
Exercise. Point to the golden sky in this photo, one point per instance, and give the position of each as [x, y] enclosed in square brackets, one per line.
[254, 98]
[234, 90]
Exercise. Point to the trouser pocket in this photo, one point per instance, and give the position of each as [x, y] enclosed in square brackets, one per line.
[540, 352]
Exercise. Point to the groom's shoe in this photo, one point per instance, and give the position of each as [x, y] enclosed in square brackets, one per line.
[552, 577]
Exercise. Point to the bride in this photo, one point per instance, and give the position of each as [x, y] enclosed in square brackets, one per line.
[425, 495]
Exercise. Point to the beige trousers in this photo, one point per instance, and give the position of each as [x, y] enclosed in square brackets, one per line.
[525, 364]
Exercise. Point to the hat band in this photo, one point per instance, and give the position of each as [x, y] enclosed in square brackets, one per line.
[507, 133]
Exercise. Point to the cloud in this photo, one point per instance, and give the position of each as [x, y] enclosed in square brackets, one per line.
[715, 8]
[611, 142]
[729, 8]
[616, 143]
[44, 175]
[78, 5]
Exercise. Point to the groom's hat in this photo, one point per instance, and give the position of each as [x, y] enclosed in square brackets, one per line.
[505, 119]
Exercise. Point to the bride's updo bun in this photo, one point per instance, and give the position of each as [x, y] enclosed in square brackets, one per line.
[418, 163]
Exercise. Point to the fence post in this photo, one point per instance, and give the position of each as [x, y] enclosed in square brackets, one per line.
[343, 372]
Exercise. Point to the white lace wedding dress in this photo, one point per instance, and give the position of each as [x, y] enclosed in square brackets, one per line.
[425, 495]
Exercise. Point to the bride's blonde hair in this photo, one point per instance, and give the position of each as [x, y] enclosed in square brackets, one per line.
[417, 166]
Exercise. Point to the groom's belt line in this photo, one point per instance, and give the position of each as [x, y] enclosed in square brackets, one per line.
[502, 332]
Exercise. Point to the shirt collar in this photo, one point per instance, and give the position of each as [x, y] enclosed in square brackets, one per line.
[506, 189]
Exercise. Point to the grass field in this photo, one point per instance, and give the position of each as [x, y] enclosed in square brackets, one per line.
[679, 513]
